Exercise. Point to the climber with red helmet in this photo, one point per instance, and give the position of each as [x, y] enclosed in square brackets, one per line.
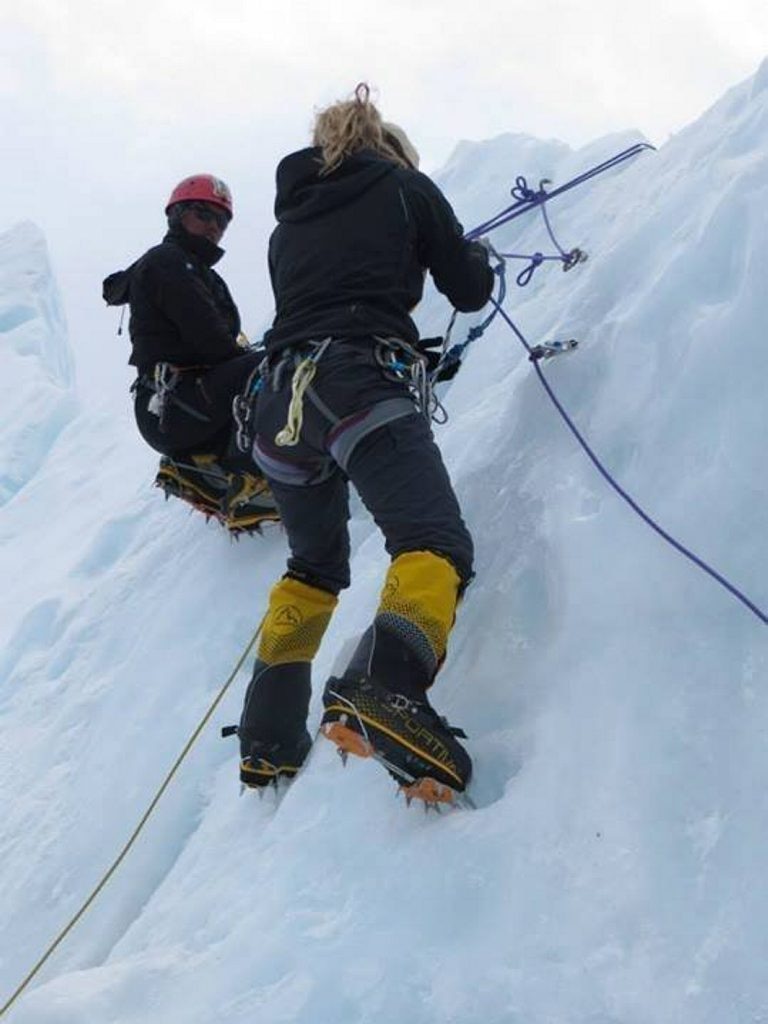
[187, 348]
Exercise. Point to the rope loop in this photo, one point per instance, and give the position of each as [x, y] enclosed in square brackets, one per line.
[303, 375]
[523, 194]
[525, 275]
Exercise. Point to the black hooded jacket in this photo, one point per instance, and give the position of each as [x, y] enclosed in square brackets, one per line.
[349, 253]
[181, 310]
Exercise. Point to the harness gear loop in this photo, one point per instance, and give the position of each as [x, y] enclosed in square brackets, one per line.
[162, 383]
[303, 375]
[403, 362]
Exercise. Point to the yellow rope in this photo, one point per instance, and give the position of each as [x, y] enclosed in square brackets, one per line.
[136, 832]
[302, 378]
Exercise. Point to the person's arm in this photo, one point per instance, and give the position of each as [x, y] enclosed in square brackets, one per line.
[180, 294]
[459, 268]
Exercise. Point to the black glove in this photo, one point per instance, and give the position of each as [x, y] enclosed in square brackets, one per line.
[450, 367]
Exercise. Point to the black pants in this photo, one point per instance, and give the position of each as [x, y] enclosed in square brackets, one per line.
[197, 416]
[359, 425]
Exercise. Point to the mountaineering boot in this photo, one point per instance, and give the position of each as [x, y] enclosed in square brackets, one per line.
[418, 747]
[196, 479]
[248, 502]
[379, 706]
[273, 733]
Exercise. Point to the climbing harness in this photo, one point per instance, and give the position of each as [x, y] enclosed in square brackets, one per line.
[139, 828]
[527, 199]
[397, 360]
[163, 382]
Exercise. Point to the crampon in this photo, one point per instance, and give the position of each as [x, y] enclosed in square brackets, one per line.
[416, 746]
[240, 502]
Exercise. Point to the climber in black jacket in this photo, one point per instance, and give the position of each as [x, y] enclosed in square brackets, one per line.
[358, 227]
[184, 329]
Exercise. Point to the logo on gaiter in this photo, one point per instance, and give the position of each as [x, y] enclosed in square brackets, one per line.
[287, 618]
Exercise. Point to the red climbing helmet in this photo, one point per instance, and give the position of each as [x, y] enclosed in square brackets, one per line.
[203, 188]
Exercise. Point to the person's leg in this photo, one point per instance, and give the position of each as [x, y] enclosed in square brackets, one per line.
[196, 434]
[380, 705]
[273, 734]
[273, 726]
[401, 478]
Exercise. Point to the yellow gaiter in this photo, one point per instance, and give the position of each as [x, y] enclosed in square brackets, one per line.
[418, 603]
[296, 620]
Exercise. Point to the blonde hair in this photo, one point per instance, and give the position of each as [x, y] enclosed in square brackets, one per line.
[346, 127]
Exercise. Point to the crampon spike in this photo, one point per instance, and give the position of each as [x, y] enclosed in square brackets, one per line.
[347, 740]
[432, 793]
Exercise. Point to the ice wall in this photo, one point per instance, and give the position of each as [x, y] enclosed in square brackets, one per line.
[36, 372]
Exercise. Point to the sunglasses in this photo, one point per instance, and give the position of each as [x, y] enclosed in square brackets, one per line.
[206, 214]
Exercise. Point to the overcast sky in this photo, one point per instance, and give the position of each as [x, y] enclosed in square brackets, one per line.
[105, 104]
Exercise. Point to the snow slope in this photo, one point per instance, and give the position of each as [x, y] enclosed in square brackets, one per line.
[613, 694]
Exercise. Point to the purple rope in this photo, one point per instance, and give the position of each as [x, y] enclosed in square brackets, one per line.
[545, 215]
[526, 198]
[620, 490]
[537, 257]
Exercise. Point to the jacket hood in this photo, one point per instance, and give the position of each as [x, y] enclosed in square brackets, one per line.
[116, 289]
[302, 193]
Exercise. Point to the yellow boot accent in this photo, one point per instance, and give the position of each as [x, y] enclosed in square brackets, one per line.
[422, 588]
[244, 487]
[205, 460]
[296, 620]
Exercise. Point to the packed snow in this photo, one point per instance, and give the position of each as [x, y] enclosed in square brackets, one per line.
[614, 695]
